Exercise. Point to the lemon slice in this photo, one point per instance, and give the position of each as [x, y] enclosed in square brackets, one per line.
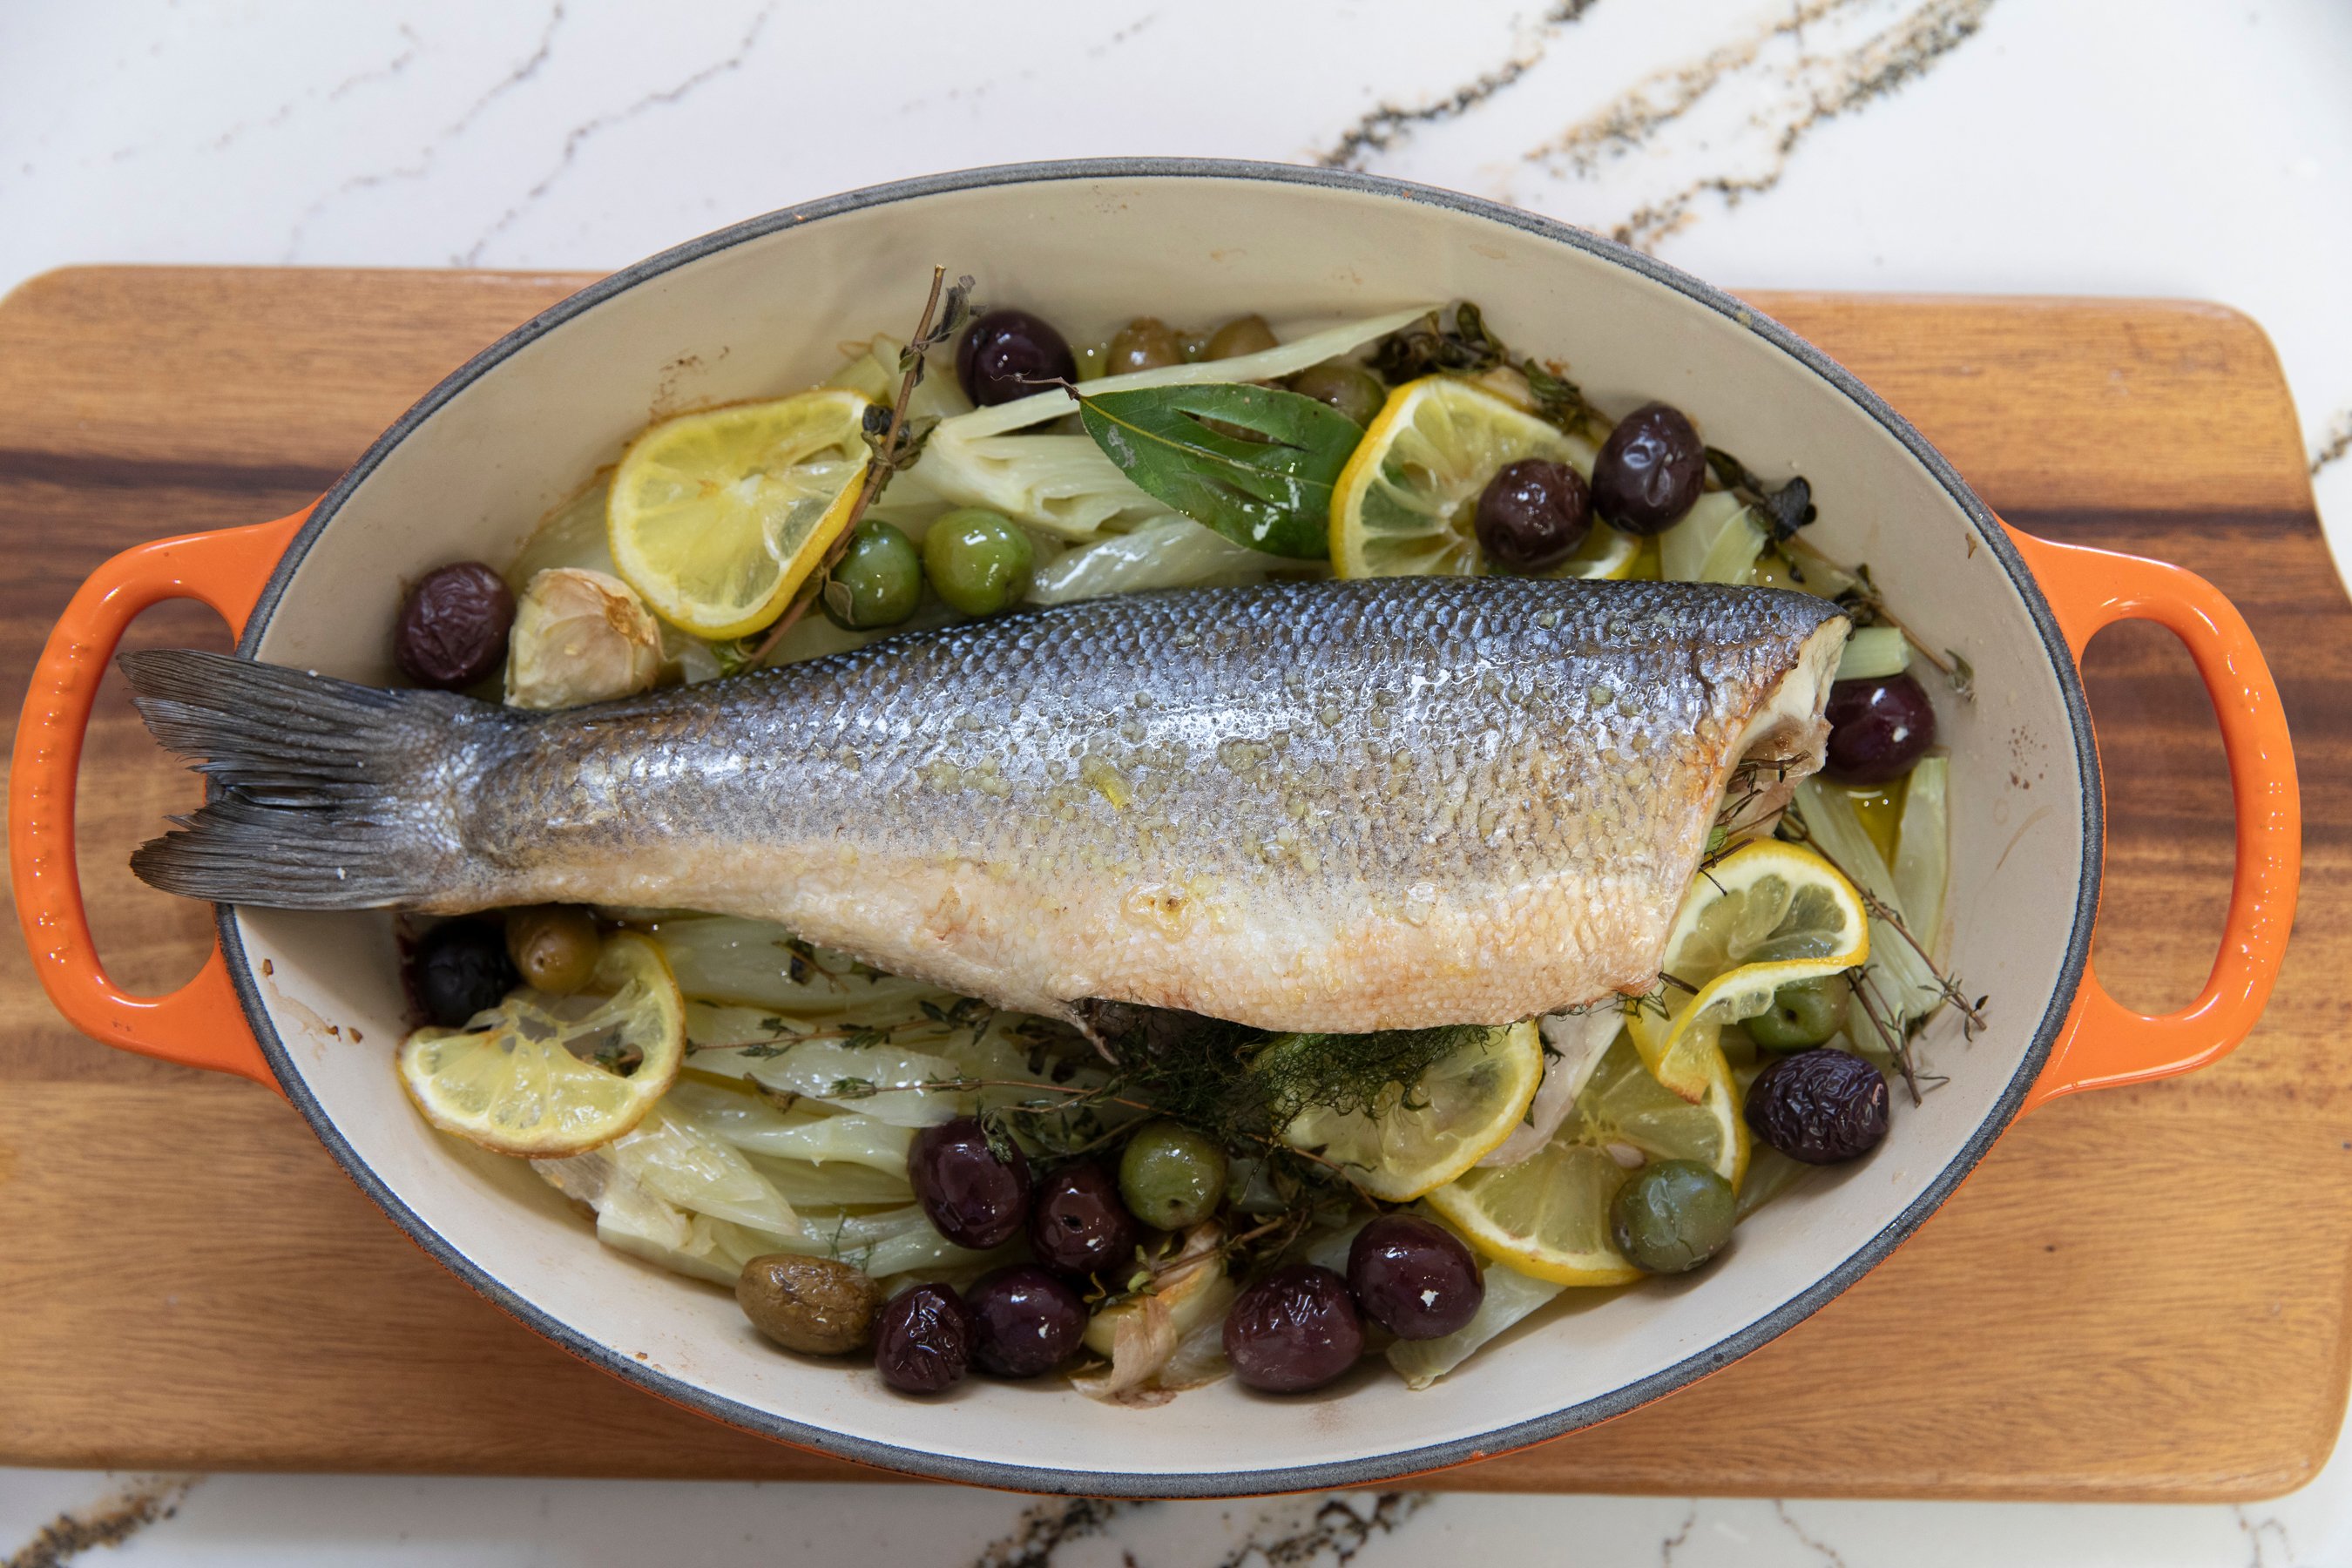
[1464, 1105]
[1766, 915]
[717, 518]
[1548, 1215]
[1405, 502]
[542, 1075]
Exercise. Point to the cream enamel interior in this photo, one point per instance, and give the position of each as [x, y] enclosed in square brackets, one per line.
[764, 316]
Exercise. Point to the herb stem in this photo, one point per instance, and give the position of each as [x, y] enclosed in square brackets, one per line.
[1895, 1047]
[878, 471]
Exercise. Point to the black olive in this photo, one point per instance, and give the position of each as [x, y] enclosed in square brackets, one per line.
[1533, 514]
[1007, 355]
[460, 968]
[922, 1339]
[1822, 1106]
[1295, 1329]
[973, 1198]
[1878, 728]
[1650, 470]
[453, 626]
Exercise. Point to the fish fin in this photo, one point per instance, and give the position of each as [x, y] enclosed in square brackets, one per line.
[324, 792]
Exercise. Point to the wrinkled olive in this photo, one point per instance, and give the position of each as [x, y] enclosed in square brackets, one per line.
[1349, 388]
[1171, 1176]
[1242, 335]
[453, 626]
[1671, 1216]
[1803, 1013]
[1650, 470]
[553, 946]
[460, 968]
[818, 1306]
[1007, 355]
[1295, 1329]
[922, 1339]
[1145, 343]
[1822, 1106]
[978, 562]
[1533, 514]
[877, 582]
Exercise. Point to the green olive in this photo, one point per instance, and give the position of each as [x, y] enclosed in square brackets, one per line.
[877, 582]
[1803, 1013]
[1171, 1176]
[554, 945]
[1349, 388]
[978, 562]
[818, 1306]
[1671, 1216]
[1242, 335]
[1146, 342]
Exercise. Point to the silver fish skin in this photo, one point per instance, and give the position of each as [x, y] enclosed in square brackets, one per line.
[1341, 807]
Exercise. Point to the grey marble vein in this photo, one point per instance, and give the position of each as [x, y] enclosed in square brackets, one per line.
[1387, 124]
[2336, 443]
[1855, 77]
[388, 71]
[521, 72]
[734, 60]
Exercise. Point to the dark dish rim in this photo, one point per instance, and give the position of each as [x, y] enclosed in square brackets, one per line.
[1373, 1468]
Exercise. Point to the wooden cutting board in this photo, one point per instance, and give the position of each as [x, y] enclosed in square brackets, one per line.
[2140, 1295]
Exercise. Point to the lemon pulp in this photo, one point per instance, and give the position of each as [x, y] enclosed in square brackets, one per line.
[717, 518]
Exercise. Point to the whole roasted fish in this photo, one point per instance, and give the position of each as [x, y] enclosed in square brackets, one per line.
[1338, 806]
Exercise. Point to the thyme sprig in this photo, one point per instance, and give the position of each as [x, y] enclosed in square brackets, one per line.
[894, 449]
[1862, 601]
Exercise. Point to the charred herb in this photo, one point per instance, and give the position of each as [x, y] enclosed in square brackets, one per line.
[1783, 509]
[1453, 341]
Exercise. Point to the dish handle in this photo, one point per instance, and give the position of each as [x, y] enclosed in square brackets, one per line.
[2105, 1042]
[201, 1025]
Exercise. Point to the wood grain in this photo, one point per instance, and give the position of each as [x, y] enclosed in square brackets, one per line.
[2140, 1295]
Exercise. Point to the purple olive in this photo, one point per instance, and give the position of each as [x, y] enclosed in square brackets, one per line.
[1007, 355]
[1414, 1278]
[1650, 470]
[453, 626]
[1878, 728]
[1295, 1329]
[1533, 514]
[973, 1198]
[1024, 1320]
[922, 1340]
[1077, 1224]
[1822, 1106]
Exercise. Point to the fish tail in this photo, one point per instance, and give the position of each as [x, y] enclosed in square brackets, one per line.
[329, 795]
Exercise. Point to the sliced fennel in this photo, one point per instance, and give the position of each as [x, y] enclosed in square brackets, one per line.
[1899, 975]
[753, 1125]
[1923, 849]
[1717, 542]
[1167, 553]
[722, 958]
[681, 1161]
[1510, 1297]
[1874, 653]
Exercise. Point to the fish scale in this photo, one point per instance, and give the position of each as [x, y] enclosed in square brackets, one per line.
[1328, 806]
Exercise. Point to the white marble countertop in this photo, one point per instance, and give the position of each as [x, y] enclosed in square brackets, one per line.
[2170, 147]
